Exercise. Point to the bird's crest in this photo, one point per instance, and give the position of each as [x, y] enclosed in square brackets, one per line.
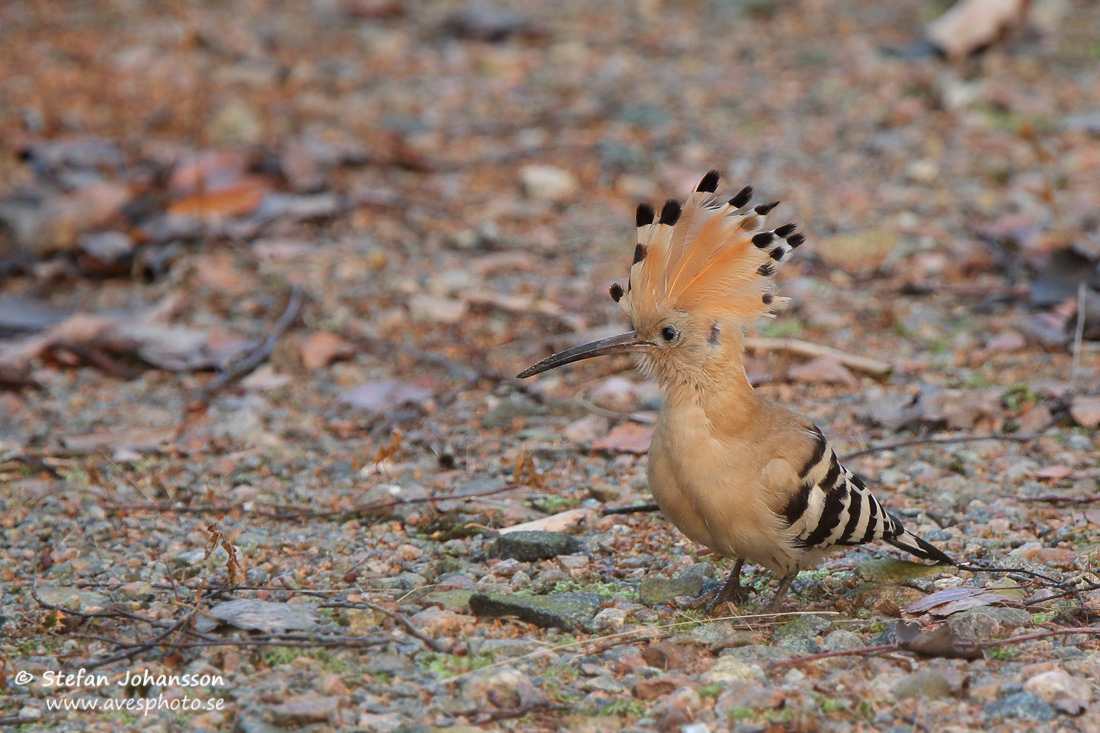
[709, 257]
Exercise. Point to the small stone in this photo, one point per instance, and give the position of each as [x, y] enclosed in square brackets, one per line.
[988, 622]
[678, 708]
[547, 581]
[569, 611]
[534, 545]
[1024, 705]
[655, 687]
[436, 621]
[744, 663]
[306, 711]
[609, 619]
[805, 627]
[1060, 689]
[747, 694]
[503, 687]
[661, 591]
[234, 124]
[550, 184]
[926, 684]
[105, 253]
[665, 655]
[840, 640]
[72, 598]
[575, 565]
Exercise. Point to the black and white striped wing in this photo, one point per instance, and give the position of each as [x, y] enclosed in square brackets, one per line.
[832, 507]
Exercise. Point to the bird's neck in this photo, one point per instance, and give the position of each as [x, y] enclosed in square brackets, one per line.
[720, 388]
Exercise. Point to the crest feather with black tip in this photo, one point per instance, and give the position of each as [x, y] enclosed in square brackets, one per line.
[707, 256]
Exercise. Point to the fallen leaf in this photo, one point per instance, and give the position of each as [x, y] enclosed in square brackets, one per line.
[858, 253]
[238, 200]
[554, 523]
[254, 615]
[321, 348]
[970, 25]
[1085, 411]
[1052, 472]
[939, 642]
[265, 379]
[822, 370]
[208, 171]
[385, 394]
[138, 439]
[627, 437]
[587, 429]
[955, 600]
[435, 308]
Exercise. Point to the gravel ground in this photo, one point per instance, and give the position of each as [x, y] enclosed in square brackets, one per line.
[435, 196]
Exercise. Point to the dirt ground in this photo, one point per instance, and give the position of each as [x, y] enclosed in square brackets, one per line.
[267, 268]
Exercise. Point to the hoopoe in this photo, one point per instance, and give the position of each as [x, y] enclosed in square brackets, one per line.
[751, 480]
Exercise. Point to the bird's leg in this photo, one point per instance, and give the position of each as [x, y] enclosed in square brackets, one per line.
[781, 592]
[729, 589]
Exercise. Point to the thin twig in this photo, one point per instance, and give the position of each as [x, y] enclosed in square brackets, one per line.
[1078, 336]
[260, 354]
[637, 416]
[873, 367]
[632, 509]
[962, 644]
[1055, 499]
[303, 513]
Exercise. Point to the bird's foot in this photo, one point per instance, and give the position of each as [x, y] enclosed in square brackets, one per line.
[777, 603]
[717, 596]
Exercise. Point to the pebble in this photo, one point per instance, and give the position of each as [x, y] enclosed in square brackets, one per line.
[1023, 705]
[548, 183]
[988, 622]
[529, 546]
[925, 684]
[1059, 688]
[561, 610]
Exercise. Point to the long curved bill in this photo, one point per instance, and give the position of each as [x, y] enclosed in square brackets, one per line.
[621, 344]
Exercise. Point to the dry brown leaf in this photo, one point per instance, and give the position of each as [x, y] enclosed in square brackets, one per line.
[253, 615]
[321, 348]
[970, 25]
[1086, 411]
[239, 200]
[1053, 472]
[385, 394]
[554, 523]
[211, 170]
[860, 252]
[822, 370]
[627, 437]
[939, 642]
[138, 439]
[955, 600]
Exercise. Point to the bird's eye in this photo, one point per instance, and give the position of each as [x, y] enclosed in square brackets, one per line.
[668, 333]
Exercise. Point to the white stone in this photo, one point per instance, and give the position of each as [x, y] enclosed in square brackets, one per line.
[1058, 684]
[547, 183]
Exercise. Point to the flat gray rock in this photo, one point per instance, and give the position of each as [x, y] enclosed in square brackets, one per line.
[562, 610]
[533, 545]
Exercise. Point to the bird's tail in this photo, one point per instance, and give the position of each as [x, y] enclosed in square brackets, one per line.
[916, 546]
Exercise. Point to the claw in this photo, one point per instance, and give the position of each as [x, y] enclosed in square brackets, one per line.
[729, 590]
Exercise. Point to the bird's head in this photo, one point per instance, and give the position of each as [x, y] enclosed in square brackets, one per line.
[701, 271]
